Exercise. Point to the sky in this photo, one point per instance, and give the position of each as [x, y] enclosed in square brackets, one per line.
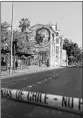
[68, 16]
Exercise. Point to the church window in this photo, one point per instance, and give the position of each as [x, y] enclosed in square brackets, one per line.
[57, 49]
[57, 40]
[57, 34]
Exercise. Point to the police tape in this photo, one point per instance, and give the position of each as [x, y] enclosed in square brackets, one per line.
[54, 101]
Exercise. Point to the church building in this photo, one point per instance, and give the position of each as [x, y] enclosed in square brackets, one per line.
[49, 45]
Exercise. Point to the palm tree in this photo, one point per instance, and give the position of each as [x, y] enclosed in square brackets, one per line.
[24, 24]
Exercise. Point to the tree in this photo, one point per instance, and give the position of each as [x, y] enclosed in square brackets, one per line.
[22, 44]
[4, 31]
[24, 24]
[71, 59]
[5, 35]
[4, 25]
[73, 51]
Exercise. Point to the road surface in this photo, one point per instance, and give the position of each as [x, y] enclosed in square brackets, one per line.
[65, 82]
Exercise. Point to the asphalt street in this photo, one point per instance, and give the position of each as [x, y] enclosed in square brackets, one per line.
[65, 82]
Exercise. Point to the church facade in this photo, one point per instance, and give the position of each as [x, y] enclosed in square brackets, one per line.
[49, 46]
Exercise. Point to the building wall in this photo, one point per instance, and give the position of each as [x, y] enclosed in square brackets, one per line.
[56, 51]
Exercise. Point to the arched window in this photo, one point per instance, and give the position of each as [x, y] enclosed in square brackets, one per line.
[2, 59]
[57, 34]
[3, 63]
[42, 36]
[57, 49]
[57, 40]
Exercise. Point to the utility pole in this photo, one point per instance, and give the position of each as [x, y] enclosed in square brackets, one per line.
[11, 62]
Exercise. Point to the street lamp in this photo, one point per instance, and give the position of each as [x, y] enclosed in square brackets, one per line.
[11, 62]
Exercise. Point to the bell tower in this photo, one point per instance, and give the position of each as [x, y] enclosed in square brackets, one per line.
[55, 47]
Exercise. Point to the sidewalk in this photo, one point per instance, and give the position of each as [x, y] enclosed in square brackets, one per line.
[29, 70]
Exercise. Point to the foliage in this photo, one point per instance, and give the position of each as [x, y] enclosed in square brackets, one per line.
[73, 51]
[4, 31]
[23, 44]
[24, 24]
[5, 35]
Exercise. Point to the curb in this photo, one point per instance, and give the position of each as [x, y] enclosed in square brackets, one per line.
[29, 72]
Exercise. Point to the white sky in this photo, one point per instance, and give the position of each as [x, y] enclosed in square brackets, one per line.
[68, 16]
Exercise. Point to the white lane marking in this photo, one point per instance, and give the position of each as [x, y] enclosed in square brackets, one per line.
[43, 81]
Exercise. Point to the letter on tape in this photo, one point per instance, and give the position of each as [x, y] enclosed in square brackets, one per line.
[67, 102]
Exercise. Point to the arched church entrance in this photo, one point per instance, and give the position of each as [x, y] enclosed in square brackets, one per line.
[43, 58]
